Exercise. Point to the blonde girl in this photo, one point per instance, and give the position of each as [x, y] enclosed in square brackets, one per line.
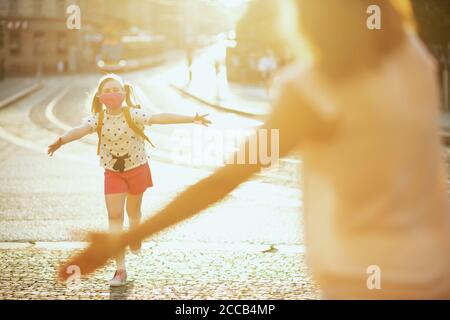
[119, 124]
[364, 113]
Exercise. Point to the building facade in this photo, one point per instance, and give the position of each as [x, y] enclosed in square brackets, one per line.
[35, 39]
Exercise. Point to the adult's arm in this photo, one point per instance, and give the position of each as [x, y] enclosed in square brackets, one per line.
[296, 122]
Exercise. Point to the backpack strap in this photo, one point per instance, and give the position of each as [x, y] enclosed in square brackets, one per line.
[138, 131]
[99, 130]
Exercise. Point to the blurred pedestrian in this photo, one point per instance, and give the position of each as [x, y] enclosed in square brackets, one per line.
[218, 79]
[267, 66]
[60, 66]
[120, 129]
[190, 62]
[365, 115]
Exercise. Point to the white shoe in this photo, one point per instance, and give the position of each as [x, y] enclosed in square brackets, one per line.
[119, 279]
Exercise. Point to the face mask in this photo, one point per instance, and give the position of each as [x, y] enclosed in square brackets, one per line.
[112, 100]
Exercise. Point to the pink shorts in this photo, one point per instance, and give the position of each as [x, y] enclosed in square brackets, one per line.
[134, 181]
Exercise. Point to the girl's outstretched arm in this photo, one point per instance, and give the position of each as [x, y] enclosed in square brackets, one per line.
[172, 118]
[69, 136]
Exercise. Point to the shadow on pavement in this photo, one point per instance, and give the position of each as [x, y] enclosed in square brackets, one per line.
[121, 293]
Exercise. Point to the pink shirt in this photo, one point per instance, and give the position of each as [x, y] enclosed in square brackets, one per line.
[375, 190]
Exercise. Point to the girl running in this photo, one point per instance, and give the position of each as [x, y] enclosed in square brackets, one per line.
[364, 114]
[120, 128]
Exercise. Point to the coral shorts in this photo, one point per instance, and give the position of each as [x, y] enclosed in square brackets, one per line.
[134, 181]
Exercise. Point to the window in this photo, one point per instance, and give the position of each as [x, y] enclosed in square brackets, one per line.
[15, 43]
[37, 8]
[61, 44]
[60, 8]
[38, 44]
[13, 7]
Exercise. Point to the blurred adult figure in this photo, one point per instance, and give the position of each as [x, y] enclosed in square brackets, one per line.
[364, 112]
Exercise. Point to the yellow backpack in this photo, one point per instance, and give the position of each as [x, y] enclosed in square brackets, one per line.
[126, 111]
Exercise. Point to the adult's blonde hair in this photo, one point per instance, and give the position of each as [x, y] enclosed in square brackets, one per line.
[339, 40]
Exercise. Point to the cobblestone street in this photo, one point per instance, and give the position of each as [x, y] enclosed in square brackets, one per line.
[45, 203]
[237, 149]
[163, 271]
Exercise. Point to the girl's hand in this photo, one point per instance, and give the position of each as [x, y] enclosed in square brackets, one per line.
[202, 119]
[54, 146]
[102, 247]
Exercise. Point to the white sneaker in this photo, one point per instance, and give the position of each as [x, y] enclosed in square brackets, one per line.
[119, 279]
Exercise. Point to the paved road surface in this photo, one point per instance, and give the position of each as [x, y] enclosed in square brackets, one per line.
[44, 201]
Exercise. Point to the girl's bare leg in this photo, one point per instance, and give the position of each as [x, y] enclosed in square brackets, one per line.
[134, 203]
[115, 204]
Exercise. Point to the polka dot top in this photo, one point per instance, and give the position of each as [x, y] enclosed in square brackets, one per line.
[118, 139]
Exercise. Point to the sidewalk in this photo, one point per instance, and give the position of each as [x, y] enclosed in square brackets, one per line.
[14, 89]
[161, 271]
[251, 101]
[238, 99]
[214, 90]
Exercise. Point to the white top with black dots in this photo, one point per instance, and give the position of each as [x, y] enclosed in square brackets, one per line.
[118, 139]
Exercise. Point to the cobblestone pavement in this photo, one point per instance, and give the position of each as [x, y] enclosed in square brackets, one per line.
[163, 271]
[217, 254]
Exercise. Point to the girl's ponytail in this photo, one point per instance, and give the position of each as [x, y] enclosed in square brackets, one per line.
[130, 98]
[96, 104]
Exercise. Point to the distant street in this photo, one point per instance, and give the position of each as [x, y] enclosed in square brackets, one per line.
[45, 202]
